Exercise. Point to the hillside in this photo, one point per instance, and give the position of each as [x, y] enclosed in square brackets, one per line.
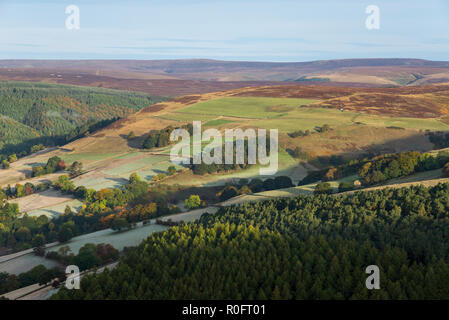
[426, 101]
[35, 113]
[379, 122]
[110, 157]
[180, 77]
[397, 228]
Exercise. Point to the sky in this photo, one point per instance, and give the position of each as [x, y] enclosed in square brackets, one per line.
[276, 30]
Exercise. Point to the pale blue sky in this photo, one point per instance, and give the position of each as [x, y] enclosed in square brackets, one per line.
[261, 30]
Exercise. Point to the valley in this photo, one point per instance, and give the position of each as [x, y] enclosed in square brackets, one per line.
[109, 157]
[125, 193]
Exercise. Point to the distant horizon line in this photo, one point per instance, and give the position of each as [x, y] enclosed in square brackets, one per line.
[216, 60]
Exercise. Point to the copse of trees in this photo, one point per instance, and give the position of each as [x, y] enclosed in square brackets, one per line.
[75, 169]
[346, 186]
[161, 138]
[64, 184]
[298, 153]
[323, 188]
[255, 185]
[305, 133]
[203, 168]
[439, 139]
[388, 167]
[6, 160]
[194, 202]
[381, 168]
[299, 133]
[20, 190]
[171, 170]
[89, 256]
[53, 165]
[446, 170]
[5, 164]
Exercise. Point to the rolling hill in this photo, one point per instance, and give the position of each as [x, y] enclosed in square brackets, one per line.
[302, 114]
[356, 131]
[33, 113]
[321, 121]
[196, 76]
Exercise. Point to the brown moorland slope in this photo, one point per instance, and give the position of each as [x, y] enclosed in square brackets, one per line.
[428, 101]
[352, 133]
[154, 85]
[161, 73]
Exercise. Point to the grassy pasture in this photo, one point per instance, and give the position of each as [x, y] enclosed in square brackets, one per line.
[118, 240]
[309, 118]
[56, 210]
[180, 116]
[289, 114]
[132, 166]
[406, 123]
[246, 107]
[99, 183]
[91, 156]
[25, 263]
[218, 122]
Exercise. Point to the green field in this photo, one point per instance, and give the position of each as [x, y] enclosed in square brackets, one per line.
[118, 240]
[179, 116]
[289, 114]
[243, 107]
[217, 123]
[309, 118]
[69, 158]
[131, 166]
[406, 123]
[102, 182]
[56, 210]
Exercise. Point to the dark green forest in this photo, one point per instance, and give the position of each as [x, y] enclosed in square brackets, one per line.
[309, 247]
[33, 113]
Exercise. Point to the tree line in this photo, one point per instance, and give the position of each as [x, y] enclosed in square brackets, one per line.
[117, 208]
[381, 168]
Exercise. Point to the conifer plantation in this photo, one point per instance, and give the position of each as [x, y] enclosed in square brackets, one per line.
[309, 247]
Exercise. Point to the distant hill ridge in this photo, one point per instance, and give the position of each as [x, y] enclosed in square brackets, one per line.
[387, 71]
[201, 65]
